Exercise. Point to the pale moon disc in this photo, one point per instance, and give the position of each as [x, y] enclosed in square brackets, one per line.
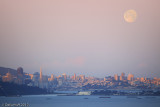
[130, 16]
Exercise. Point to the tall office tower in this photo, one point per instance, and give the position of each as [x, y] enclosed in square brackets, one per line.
[58, 77]
[36, 79]
[130, 77]
[52, 77]
[64, 76]
[40, 78]
[60, 81]
[116, 77]
[43, 82]
[74, 77]
[20, 79]
[142, 79]
[82, 77]
[122, 76]
[31, 76]
[20, 71]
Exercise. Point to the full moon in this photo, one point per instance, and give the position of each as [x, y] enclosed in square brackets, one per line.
[130, 16]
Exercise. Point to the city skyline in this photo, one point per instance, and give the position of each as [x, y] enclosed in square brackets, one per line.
[118, 76]
[90, 37]
[67, 82]
[89, 75]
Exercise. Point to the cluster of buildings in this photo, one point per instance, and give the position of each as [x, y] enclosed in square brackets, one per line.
[17, 78]
[130, 81]
[66, 82]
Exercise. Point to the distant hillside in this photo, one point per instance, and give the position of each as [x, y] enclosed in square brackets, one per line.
[4, 70]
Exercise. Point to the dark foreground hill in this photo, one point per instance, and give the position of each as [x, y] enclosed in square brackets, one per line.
[11, 89]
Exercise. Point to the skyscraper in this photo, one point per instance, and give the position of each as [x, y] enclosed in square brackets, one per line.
[52, 77]
[82, 77]
[64, 76]
[122, 77]
[40, 78]
[116, 77]
[20, 79]
[130, 77]
[74, 77]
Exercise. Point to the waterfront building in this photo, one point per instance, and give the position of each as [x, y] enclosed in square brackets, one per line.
[84, 93]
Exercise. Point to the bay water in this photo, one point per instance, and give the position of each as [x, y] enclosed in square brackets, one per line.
[80, 101]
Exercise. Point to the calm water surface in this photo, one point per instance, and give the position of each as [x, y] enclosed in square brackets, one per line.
[82, 101]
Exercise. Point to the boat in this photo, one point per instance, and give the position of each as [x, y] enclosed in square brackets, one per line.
[48, 98]
[104, 97]
[131, 96]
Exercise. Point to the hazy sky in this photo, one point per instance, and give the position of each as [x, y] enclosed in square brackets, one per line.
[87, 37]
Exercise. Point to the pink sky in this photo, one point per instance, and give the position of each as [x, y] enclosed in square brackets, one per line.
[90, 36]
